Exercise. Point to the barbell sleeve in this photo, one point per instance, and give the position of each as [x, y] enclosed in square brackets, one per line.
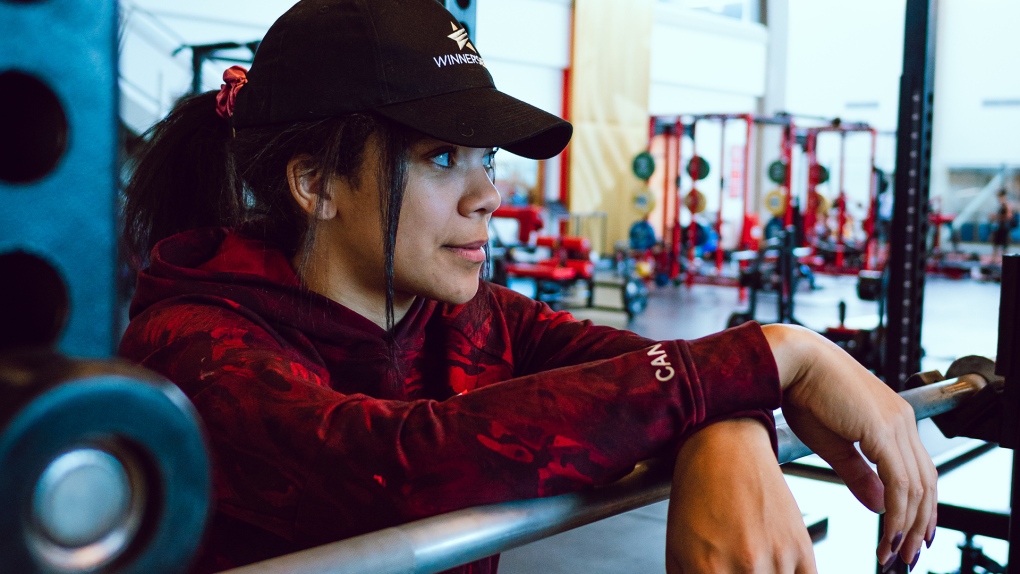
[441, 542]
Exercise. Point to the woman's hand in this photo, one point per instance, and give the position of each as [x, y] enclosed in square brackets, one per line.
[831, 402]
[730, 510]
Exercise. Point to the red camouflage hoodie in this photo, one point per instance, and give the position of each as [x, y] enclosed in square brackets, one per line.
[323, 426]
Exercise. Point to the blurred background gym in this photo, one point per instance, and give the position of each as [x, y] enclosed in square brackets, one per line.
[850, 166]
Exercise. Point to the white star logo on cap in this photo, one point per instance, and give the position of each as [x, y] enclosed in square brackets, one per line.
[460, 36]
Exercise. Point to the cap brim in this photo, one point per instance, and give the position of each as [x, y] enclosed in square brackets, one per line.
[484, 117]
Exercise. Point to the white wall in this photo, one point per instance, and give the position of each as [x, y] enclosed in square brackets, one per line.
[844, 59]
[705, 63]
[526, 46]
[977, 89]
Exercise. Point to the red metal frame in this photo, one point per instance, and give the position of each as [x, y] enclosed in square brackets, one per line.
[811, 213]
[787, 158]
[722, 193]
[748, 122]
[692, 228]
[810, 150]
[567, 91]
[671, 193]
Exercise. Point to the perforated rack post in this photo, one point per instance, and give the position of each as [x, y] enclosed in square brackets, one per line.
[1007, 364]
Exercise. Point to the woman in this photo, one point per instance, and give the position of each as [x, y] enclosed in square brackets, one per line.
[317, 230]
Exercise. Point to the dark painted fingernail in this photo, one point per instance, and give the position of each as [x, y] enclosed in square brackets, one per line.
[896, 541]
[888, 564]
[914, 561]
[931, 539]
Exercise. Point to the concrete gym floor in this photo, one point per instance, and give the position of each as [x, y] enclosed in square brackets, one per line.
[960, 318]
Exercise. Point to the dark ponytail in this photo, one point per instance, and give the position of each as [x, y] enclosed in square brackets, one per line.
[195, 171]
[184, 178]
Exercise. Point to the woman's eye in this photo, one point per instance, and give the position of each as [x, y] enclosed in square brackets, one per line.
[444, 159]
[489, 160]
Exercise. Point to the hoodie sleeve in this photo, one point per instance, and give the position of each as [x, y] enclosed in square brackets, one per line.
[309, 463]
[731, 374]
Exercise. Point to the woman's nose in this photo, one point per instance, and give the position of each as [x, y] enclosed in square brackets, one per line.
[481, 195]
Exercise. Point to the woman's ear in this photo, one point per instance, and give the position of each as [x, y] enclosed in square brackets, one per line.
[308, 187]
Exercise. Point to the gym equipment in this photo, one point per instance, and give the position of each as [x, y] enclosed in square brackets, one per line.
[698, 168]
[864, 345]
[642, 236]
[819, 204]
[35, 304]
[778, 172]
[980, 418]
[987, 416]
[102, 467]
[775, 202]
[695, 201]
[643, 201]
[569, 266]
[643, 165]
[869, 285]
[776, 267]
[672, 129]
[819, 173]
[58, 166]
[865, 256]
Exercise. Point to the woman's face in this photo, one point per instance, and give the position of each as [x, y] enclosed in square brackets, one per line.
[444, 221]
[443, 225]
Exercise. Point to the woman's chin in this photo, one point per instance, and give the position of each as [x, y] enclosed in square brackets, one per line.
[458, 294]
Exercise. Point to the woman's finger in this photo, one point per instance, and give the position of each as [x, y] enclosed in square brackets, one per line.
[925, 514]
[857, 474]
[909, 478]
[915, 510]
[894, 469]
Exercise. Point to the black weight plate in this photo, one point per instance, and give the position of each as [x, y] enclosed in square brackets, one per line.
[153, 420]
[635, 297]
[883, 180]
[777, 172]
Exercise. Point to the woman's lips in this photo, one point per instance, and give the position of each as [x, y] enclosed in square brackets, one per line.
[472, 251]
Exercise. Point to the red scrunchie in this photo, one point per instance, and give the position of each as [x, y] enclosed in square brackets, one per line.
[235, 77]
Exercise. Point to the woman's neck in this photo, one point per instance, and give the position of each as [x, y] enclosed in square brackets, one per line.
[331, 277]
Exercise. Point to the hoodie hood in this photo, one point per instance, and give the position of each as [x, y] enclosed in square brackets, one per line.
[256, 275]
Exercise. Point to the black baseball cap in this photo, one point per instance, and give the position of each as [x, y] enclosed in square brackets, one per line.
[407, 60]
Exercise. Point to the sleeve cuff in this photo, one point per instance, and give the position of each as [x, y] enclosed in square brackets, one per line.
[737, 376]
